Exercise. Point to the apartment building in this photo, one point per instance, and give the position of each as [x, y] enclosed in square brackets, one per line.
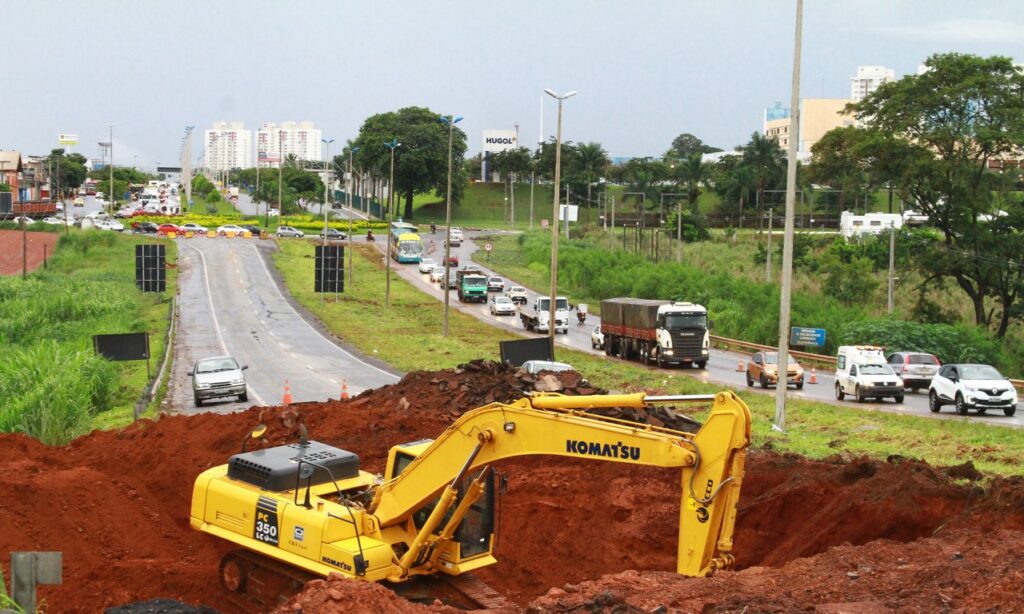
[227, 146]
[275, 142]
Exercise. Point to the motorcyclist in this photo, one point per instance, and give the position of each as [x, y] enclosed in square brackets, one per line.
[433, 228]
[369, 235]
[581, 316]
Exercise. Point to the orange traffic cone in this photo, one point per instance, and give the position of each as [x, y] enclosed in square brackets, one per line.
[287, 394]
[740, 367]
[344, 389]
[814, 377]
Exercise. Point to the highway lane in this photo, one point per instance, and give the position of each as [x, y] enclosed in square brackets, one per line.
[721, 369]
[230, 303]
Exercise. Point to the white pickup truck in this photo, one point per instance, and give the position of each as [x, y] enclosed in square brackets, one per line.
[535, 315]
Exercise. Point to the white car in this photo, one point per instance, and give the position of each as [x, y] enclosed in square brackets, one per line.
[455, 236]
[437, 274]
[103, 224]
[870, 380]
[191, 227]
[503, 306]
[427, 265]
[274, 213]
[979, 387]
[23, 218]
[288, 231]
[597, 338]
[54, 221]
[226, 228]
[517, 294]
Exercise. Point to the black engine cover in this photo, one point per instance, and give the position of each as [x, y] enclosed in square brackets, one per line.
[277, 468]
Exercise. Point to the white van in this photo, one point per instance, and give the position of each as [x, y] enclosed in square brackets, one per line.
[862, 371]
[455, 236]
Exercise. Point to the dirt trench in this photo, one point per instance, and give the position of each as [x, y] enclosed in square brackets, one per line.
[573, 535]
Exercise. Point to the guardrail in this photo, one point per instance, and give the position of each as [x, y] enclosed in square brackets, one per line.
[808, 358]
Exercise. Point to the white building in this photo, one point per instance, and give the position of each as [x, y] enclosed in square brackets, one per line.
[227, 146]
[867, 80]
[277, 141]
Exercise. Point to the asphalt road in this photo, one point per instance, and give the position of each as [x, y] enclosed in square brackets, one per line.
[721, 369]
[248, 207]
[230, 303]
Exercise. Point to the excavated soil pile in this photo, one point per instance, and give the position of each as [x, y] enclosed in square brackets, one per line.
[116, 503]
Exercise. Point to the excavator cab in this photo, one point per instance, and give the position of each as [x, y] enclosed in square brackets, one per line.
[474, 535]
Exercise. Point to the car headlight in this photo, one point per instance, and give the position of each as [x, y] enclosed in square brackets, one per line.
[202, 386]
[237, 382]
[972, 388]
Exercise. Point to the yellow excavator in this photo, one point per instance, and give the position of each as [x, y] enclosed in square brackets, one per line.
[306, 509]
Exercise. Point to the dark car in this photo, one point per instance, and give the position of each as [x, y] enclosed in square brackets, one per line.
[147, 227]
[332, 234]
[254, 229]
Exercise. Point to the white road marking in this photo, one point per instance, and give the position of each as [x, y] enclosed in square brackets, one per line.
[301, 319]
[216, 324]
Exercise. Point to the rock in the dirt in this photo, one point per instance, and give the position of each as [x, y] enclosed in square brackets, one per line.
[548, 383]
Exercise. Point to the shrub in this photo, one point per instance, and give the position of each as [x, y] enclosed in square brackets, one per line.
[951, 343]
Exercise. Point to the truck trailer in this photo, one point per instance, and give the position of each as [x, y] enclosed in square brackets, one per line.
[654, 331]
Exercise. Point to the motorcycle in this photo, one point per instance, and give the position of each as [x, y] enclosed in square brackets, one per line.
[581, 314]
[369, 235]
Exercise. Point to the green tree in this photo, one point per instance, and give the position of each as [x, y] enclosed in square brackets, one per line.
[68, 170]
[686, 144]
[421, 163]
[590, 163]
[693, 172]
[850, 282]
[767, 165]
[932, 136]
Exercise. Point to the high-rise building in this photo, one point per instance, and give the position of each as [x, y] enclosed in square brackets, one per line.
[867, 80]
[275, 142]
[817, 116]
[227, 146]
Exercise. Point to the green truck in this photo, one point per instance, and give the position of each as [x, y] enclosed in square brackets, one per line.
[471, 284]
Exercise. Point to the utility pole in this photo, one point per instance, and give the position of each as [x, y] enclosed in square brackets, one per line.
[280, 176]
[351, 187]
[113, 197]
[892, 265]
[513, 178]
[552, 311]
[787, 245]
[768, 264]
[392, 145]
[533, 178]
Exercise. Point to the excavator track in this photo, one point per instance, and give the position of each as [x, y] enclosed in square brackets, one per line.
[257, 583]
[480, 592]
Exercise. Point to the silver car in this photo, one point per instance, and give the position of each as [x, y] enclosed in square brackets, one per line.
[536, 366]
[288, 231]
[503, 306]
[219, 376]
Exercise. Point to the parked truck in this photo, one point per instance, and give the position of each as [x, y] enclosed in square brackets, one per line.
[471, 284]
[652, 331]
[535, 315]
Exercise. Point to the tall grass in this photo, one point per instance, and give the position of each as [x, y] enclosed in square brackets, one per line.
[52, 385]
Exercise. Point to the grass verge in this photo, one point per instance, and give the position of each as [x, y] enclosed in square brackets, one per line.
[52, 385]
[408, 336]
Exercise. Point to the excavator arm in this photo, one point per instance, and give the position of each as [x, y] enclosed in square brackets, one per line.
[711, 462]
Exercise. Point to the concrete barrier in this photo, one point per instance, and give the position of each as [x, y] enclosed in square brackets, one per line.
[211, 233]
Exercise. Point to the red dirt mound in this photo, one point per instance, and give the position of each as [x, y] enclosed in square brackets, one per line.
[116, 503]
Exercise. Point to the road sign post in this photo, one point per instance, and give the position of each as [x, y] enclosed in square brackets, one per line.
[487, 248]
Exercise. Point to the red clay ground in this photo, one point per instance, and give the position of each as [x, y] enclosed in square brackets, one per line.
[916, 538]
[10, 250]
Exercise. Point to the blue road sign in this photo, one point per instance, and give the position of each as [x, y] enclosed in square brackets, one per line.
[807, 336]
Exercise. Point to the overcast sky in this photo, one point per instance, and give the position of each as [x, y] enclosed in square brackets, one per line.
[645, 70]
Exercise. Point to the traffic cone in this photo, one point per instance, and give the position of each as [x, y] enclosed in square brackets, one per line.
[287, 394]
[740, 367]
[344, 389]
[814, 377]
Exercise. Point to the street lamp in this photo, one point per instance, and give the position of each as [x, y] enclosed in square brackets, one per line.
[450, 121]
[554, 217]
[392, 145]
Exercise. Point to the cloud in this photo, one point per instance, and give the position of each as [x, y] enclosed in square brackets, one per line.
[961, 31]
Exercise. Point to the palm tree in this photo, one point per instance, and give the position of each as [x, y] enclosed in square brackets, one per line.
[694, 171]
[592, 160]
[767, 164]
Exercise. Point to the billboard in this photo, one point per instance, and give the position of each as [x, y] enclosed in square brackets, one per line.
[67, 139]
[500, 140]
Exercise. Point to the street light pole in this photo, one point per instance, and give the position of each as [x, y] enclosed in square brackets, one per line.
[450, 120]
[280, 177]
[327, 174]
[892, 266]
[554, 217]
[392, 145]
[787, 245]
